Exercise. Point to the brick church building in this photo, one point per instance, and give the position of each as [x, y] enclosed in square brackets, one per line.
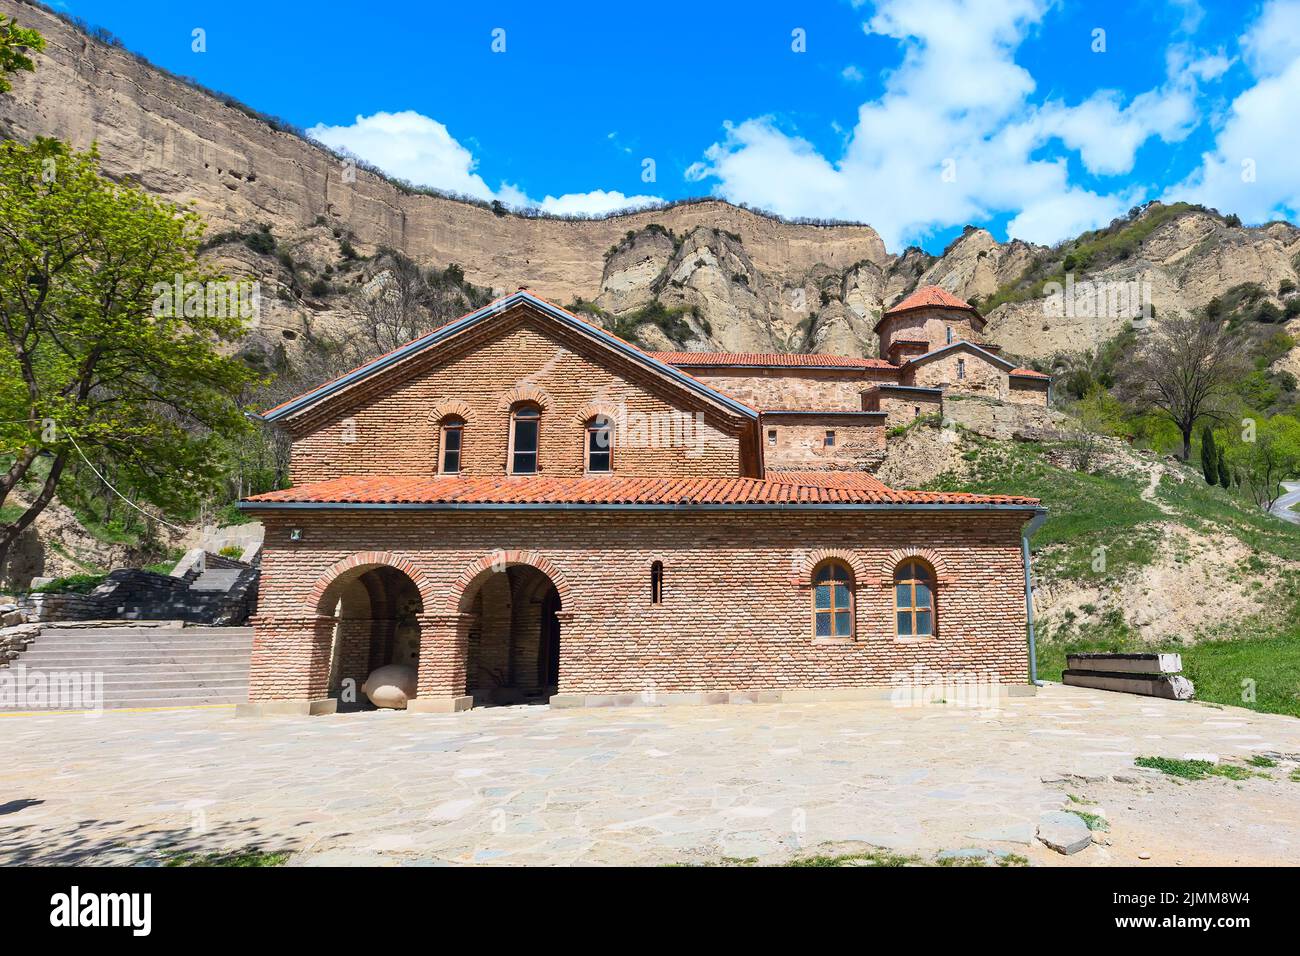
[522, 506]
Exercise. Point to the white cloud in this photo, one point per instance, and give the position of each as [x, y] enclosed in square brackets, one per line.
[595, 203]
[1273, 41]
[1251, 169]
[852, 74]
[410, 146]
[956, 135]
[414, 147]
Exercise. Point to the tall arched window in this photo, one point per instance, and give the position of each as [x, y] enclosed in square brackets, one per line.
[600, 445]
[525, 425]
[657, 583]
[833, 601]
[451, 441]
[914, 599]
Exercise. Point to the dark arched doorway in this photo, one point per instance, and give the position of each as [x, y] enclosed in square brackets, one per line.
[514, 640]
[375, 623]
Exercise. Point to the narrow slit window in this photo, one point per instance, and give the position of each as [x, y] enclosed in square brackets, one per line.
[961, 368]
[657, 583]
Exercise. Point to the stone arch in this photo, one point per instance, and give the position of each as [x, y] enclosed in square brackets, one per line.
[614, 412]
[927, 555]
[365, 560]
[450, 407]
[812, 560]
[526, 393]
[462, 592]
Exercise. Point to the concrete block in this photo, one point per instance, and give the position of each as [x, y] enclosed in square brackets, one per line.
[1126, 663]
[287, 708]
[1169, 686]
[439, 705]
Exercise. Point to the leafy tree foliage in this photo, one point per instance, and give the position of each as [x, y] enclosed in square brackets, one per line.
[89, 362]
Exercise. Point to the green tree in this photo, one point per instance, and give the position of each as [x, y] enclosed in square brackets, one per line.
[1225, 479]
[1209, 456]
[15, 43]
[97, 356]
[1268, 457]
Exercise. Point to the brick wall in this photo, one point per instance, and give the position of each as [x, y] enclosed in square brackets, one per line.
[395, 428]
[736, 613]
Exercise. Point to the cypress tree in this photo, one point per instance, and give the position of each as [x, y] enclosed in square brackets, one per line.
[1209, 456]
[1225, 478]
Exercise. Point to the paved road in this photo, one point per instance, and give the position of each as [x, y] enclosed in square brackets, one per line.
[1282, 507]
[643, 785]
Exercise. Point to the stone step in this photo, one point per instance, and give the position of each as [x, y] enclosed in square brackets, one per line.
[123, 629]
[216, 579]
[128, 646]
[59, 658]
[125, 682]
[202, 700]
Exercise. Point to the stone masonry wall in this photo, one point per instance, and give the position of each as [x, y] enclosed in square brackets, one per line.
[801, 443]
[736, 613]
[929, 325]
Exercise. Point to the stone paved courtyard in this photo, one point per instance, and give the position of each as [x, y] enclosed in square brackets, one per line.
[645, 785]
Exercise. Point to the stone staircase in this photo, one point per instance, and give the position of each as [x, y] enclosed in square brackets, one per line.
[149, 666]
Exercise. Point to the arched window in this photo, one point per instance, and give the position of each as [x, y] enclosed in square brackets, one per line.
[450, 442]
[657, 583]
[525, 425]
[832, 601]
[600, 445]
[914, 599]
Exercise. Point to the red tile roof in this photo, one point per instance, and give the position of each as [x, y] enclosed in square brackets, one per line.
[930, 297]
[829, 479]
[767, 360]
[541, 491]
[1027, 373]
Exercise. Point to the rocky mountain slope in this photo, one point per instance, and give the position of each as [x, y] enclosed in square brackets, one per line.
[702, 274]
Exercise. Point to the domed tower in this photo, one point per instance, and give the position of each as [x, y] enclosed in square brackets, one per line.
[928, 319]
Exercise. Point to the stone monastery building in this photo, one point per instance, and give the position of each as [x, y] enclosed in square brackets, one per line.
[523, 506]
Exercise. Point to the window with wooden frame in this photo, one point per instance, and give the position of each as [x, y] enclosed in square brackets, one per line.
[657, 583]
[829, 438]
[914, 599]
[833, 601]
[961, 368]
[600, 446]
[525, 428]
[450, 442]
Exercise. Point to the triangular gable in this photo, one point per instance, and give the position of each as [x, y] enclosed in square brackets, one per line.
[486, 314]
[997, 360]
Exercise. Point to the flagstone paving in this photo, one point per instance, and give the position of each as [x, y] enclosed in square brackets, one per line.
[528, 785]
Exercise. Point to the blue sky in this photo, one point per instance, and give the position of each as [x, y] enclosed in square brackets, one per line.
[916, 116]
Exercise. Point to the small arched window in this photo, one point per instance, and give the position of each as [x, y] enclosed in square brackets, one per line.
[833, 601]
[525, 426]
[914, 599]
[600, 445]
[657, 583]
[450, 442]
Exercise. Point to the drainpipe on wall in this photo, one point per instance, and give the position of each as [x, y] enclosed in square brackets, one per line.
[1035, 523]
